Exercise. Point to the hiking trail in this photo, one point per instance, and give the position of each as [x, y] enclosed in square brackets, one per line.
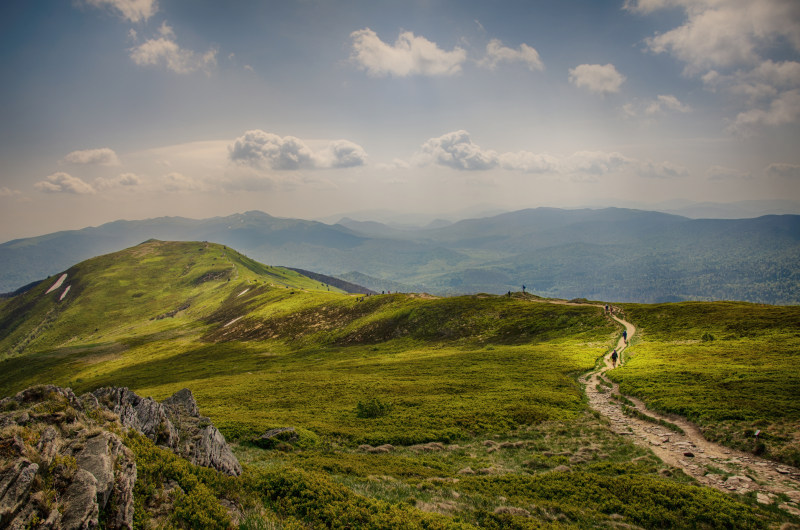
[709, 463]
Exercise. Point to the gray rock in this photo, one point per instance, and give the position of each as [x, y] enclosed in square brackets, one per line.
[175, 424]
[15, 486]
[47, 446]
[80, 502]
[284, 433]
[184, 401]
[211, 450]
[96, 458]
[142, 414]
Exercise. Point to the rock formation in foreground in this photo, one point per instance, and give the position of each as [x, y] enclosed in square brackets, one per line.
[63, 463]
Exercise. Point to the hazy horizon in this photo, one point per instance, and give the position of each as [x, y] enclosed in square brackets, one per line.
[134, 109]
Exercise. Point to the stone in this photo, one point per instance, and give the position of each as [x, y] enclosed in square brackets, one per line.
[142, 414]
[80, 504]
[15, 485]
[184, 400]
[211, 450]
[287, 434]
[763, 498]
[466, 471]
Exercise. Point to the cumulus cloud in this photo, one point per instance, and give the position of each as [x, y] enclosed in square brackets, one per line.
[131, 10]
[662, 104]
[497, 53]
[102, 157]
[64, 183]
[725, 173]
[123, 180]
[456, 150]
[725, 44]
[662, 170]
[257, 148]
[785, 108]
[165, 51]
[409, 55]
[529, 162]
[723, 34]
[783, 170]
[595, 162]
[7, 192]
[598, 78]
[179, 182]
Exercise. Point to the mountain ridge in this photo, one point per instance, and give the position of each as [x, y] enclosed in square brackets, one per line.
[638, 255]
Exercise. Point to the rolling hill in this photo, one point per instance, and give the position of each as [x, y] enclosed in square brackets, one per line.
[404, 410]
[611, 254]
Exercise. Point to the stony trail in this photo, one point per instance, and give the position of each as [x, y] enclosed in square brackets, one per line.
[690, 451]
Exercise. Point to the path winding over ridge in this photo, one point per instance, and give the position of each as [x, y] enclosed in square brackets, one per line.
[690, 451]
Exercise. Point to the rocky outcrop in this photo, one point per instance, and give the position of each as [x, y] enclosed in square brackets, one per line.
[79, 467]
[63, 463]
[175, 423]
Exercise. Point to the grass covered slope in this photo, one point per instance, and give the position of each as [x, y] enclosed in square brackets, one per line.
[142, 290]
[478, 396]
[731, 367]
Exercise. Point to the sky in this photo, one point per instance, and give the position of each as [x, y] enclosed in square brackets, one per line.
[133, 109]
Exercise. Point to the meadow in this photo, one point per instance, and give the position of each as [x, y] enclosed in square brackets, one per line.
[409, 410]
[730, 367]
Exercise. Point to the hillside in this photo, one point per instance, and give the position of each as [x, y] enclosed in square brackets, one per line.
[399, 410]
[610, 254]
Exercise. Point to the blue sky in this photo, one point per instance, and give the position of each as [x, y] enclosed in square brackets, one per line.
[141, 108]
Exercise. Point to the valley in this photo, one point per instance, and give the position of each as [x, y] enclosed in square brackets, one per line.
[418, 411]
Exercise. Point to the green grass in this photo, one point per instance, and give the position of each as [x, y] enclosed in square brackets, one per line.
[491, 378]
[743, 377]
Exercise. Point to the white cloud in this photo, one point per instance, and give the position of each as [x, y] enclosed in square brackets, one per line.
[663, 170]
[131, 10]
[165, 51]
[179, 182]
[660, 105]
[341, 153]
[497, 53]
[595, 162]
[7, 192]
[257, 148]
[126, 180]
[64, 183]
[598, 78]
[410, 55]
[783, 170]
[456, 150]
[725, 43]
[722, 173]
[785, 108]
[724, 33]
[102, 157]
[529, 162]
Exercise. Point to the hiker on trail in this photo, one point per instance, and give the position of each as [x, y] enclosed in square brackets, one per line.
[614, 358]
[625, 335]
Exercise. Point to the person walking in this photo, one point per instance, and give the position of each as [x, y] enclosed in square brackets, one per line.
[614, 359]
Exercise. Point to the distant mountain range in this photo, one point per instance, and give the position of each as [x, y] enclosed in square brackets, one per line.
[607, 254]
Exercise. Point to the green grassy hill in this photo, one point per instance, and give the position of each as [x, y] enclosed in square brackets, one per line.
[731, 367]
[467, 407]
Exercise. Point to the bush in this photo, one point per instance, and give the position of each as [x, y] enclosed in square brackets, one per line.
[373, 408]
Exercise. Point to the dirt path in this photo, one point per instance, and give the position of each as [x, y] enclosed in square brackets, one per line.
[711, 464]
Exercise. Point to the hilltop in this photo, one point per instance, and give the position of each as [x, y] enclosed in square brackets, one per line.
[611, 254]
[397, 410]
